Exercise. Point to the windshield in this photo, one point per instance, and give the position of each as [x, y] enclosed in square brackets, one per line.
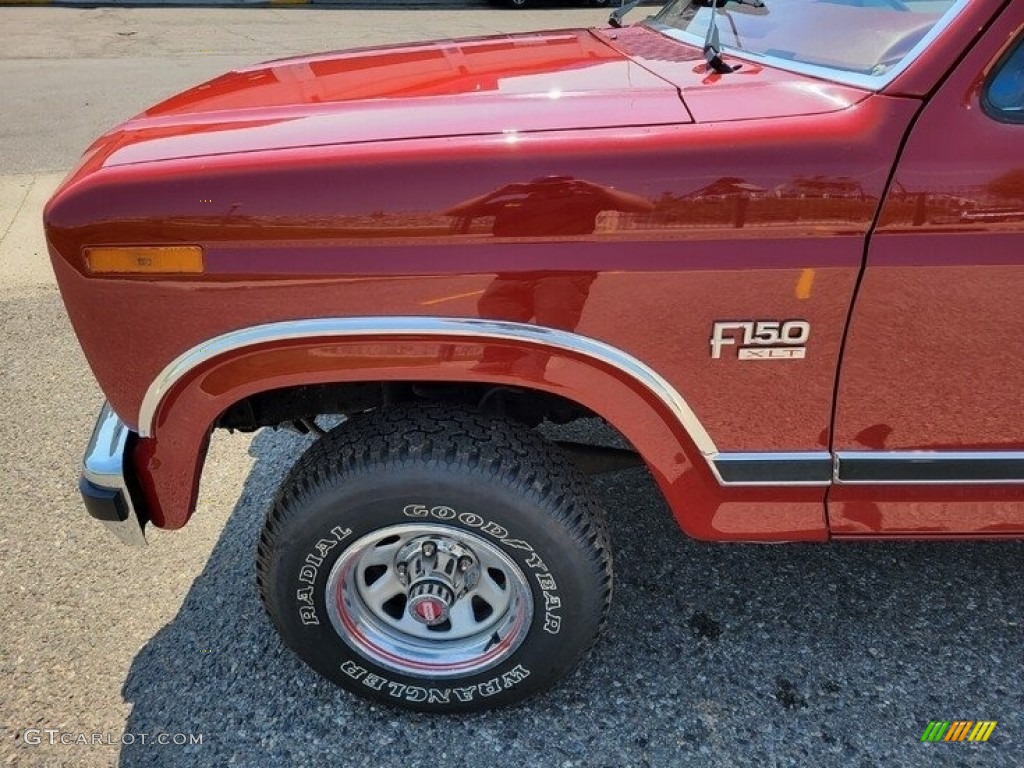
[865, 38]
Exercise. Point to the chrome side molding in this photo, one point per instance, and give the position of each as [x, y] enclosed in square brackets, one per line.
[929, 467]
[800, 468]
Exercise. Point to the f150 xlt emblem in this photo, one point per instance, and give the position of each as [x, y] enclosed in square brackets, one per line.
[761, 339]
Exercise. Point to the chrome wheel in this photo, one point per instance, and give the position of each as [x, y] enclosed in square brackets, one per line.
[429, 600]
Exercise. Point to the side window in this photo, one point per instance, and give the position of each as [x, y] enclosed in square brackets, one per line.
[1004, 93]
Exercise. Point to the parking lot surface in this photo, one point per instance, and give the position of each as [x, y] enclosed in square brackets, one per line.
[717, 655]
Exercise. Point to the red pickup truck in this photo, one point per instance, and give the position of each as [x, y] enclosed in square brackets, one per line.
[778, 246]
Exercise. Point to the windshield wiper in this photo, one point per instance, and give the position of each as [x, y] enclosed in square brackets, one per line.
[615, 19]
[712, 42]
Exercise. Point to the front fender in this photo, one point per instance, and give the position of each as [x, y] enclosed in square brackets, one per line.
[184, 402]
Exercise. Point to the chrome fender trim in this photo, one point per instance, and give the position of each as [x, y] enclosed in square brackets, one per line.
[441, 327]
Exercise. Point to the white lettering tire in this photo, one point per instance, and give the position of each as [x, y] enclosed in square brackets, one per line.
[514, 592]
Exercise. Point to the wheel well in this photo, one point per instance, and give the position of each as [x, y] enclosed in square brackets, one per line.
[297, 405]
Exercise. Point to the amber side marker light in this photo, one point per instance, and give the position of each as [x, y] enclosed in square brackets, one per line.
[154, 260]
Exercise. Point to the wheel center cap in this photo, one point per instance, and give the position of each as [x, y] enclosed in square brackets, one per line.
[437, 572]
[429, 610]
[430, 602]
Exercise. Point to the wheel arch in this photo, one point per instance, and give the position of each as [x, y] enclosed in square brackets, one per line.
[185, 402]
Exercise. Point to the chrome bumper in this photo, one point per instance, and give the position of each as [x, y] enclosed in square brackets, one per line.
[103, 485]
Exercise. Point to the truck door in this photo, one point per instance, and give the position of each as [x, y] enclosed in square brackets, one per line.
[929, 424]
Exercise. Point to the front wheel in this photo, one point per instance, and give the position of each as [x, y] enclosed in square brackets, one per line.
[436, 559]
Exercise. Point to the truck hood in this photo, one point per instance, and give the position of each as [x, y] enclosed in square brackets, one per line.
[556, 80]
[507, 84]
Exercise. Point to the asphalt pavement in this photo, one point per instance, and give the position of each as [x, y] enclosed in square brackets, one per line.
[717, 655]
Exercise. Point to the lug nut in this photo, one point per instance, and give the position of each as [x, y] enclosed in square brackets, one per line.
[465, 563]
[403, 570]
[429, 548]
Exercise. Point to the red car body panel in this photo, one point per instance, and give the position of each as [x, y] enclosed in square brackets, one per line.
[556, 179]
[552, 81]
[946, 267]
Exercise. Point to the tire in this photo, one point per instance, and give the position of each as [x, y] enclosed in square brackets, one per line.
[445, 495]
[519, 4]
